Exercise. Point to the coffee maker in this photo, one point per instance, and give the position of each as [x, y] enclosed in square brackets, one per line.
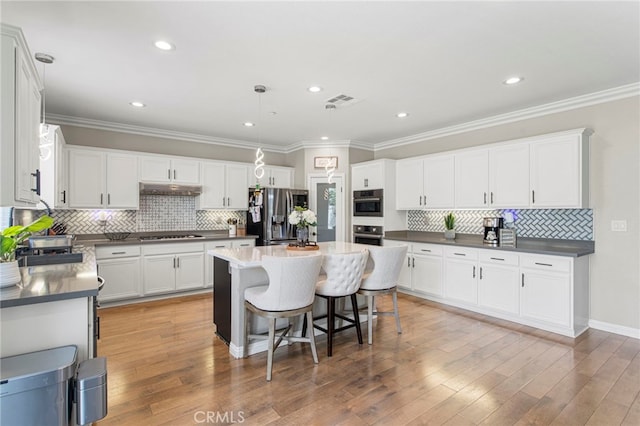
[492, 226]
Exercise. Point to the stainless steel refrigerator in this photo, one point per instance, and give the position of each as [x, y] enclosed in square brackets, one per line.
[269, 211]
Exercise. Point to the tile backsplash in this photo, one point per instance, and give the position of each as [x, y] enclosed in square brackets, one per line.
[566, 224]
[156, 213]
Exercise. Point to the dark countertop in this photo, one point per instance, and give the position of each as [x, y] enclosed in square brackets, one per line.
[50, 283]
[134, 238]
[570, 248]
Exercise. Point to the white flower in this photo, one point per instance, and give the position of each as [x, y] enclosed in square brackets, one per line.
[294, 218]
[302, 217]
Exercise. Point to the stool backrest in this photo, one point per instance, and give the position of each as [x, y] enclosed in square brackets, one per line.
[387, 264]
[344, 272]
[292, 281]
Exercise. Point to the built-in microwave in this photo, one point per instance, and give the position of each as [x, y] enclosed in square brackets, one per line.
[368, 203]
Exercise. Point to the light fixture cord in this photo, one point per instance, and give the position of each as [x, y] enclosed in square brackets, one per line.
[259, 163]
[329, 167]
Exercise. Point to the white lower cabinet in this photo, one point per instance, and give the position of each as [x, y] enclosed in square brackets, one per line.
[546, 290]
[498, 284]
[422, 270]
[120, 267]
[543, 291]
[172, 267]
[461, 274]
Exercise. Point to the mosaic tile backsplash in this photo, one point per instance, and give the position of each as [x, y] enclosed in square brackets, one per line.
[565, 224]
[157, 213]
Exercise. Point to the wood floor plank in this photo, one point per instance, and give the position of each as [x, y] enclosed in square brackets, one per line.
[449, 366]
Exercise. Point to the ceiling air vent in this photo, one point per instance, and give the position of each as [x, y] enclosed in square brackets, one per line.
[342, 100]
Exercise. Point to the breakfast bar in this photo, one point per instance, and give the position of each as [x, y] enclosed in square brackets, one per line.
[236, 269]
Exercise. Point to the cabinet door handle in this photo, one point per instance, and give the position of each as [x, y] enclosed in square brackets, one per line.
[420, 200]
[408, 262]
[425, 200]
[174, 174]
[474, 272]
[174, 263]
[37, 176]
[64, 197]
[485, 198]
[219, 247]
[523, 279]
[229, 201]
[223, 200]
[118, 252]
[413, 262]
[497, 258]
[533, 196]
[169, 174]
[481, 272]
[101, 198]
[459, 254]
[543, 264]
[427, 250]
[178, 261]
[491, 197]
[108, 199]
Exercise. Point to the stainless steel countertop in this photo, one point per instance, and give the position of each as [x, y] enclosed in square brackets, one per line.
[552, 247]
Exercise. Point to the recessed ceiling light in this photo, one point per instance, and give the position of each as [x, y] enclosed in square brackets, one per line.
[137, 104]
[249, 124]
[164, 45]
[325, 138]
[402, 114]
[513, 80]
[315, 89]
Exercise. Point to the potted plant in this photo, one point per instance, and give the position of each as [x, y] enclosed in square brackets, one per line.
[449, 223]
[10, 239]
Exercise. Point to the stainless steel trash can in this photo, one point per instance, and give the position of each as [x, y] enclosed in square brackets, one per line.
[36, 388]
[91, 391]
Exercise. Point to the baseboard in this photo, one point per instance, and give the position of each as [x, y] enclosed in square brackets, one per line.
[615, 328]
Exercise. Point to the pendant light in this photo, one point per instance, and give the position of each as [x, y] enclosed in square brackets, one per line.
[259, 163]
[329, 167]
[45, 144]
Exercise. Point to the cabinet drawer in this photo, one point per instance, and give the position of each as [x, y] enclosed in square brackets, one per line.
[499, 257]
[427, 249]
[461, 253]
[546, 263]
[112, 252]
[172, 248]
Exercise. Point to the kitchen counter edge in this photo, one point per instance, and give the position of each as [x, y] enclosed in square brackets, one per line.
[544, 246]
[134, 239]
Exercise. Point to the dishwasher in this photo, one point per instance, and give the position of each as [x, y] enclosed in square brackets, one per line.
[49, 387]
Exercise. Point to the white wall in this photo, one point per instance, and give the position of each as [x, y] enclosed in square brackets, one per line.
[615, 194]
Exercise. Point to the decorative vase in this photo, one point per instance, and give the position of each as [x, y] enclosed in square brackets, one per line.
[450, 234]
[302, 234]
[9, 274]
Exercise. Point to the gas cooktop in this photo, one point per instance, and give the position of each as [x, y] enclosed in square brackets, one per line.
[170, 237]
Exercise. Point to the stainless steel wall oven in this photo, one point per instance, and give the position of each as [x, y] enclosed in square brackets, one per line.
[364, 234]
[368, 203]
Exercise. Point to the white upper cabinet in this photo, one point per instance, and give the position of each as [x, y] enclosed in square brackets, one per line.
[274, 177]
[509, 176]
[425, 183]
[102, 180]
[20, 117]
[472, 179]
[367, 176]
[560, 170]
[224, 186]
[54, 169]
[169, 170]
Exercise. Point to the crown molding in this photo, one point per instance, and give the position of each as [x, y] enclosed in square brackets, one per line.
[603, 96]
[160, 133]
[333, 144]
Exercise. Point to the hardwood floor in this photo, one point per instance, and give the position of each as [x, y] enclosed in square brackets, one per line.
[166, 366]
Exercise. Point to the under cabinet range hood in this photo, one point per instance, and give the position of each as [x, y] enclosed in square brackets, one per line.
[169, 189]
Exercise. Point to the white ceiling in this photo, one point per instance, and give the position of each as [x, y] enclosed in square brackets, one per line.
[442, 62]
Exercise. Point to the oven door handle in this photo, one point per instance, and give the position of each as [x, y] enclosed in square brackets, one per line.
[374, 237]
[358, 200]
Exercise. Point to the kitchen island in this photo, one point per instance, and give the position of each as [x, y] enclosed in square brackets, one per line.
[240, 268]
[51, 307]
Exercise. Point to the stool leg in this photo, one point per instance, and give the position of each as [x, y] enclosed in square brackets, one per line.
[356, 316]
[272, 335]
[312, 339]
[370, 318]
[245, 349]
[395, 310]
[331, 307]
[304, 325]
